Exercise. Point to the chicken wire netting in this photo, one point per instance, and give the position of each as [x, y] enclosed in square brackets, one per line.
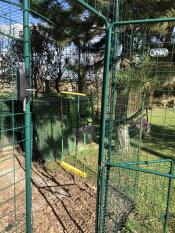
[140, 121]
[12, 175]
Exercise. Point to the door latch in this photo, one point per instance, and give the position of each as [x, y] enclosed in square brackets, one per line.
[23, 90]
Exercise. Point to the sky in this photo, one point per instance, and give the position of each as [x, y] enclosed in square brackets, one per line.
[11, 19]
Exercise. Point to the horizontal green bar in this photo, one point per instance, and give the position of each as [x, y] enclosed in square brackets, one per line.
[142, 21]
[14, 129]
[9, 36]
[7, 97]
[148, 162]
[12, 114]
[130, 167]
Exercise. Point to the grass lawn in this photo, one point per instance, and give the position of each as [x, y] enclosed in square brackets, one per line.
[86, 160]
[151, 197]
[162, 139]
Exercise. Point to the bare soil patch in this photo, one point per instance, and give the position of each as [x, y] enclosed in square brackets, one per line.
[61, 202]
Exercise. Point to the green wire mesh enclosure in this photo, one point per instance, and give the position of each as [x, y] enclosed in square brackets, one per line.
[135, 187]
[14, 162]
[141, 199]
[65, 129]
[136, 184]
[12, 175]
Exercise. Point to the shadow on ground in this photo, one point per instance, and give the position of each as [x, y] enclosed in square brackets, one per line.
[61, 201]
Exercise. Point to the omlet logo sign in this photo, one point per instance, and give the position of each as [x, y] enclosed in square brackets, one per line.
[159, 52]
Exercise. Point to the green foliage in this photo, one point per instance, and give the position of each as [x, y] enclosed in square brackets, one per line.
[71, 21]
[134, 78]
[145, 8]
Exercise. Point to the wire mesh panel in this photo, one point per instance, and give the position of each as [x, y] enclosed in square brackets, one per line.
[65, 131]
[66, 74]
[139, 201]
[12, 175]
[141, 88]
[12, 124]
[83, 148]
[139, 107]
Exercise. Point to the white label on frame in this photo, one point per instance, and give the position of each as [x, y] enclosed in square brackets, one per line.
[159, 52]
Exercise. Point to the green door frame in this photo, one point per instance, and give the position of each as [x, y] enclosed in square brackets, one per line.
[110, 26]
[28, 149]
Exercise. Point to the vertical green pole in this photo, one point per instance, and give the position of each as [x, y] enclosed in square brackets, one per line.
[28, 154]
[100, 177]
[115, 59]
[78, 105]
[168, 198]
[78, 124]
[14, 163]
[62, 148]
[84, 169]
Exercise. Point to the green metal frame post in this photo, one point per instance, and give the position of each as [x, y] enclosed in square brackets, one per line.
[169, 197]
[28, 153]
[77, 129]
[62, 149]
[84, 152]
[100, 179]
[115, 58]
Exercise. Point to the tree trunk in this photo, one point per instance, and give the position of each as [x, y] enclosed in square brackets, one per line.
[47, 86]
[80, 84]
[123, 138]
[57, 86]
[122, 132]
[57, 81]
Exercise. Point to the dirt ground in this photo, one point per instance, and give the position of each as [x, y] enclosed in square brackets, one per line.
[61, 201]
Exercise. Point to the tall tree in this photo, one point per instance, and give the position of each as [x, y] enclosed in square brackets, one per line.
[74, 25]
